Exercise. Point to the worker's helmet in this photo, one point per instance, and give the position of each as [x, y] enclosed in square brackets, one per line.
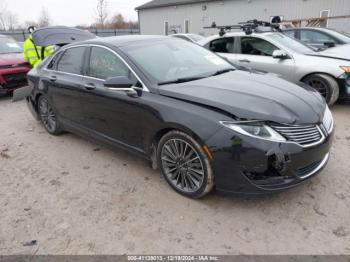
[31, 29]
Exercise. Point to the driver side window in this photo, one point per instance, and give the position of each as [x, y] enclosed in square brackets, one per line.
[257, 46]
[105, 64]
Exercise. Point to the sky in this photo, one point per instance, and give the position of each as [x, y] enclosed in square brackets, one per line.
[70, 12]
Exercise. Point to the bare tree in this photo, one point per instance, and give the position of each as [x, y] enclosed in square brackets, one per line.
[101, 13]
[44, 19]
[11, 21]
[3, 11]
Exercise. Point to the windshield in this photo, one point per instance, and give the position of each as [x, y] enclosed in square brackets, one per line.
[196, 38]
[170, 60]
[291, 43]
[341, 36]
[8, 45]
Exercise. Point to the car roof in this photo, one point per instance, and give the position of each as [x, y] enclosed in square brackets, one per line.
[119, 41]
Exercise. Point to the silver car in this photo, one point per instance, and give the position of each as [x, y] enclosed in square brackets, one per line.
[194, 38]
[327, 71]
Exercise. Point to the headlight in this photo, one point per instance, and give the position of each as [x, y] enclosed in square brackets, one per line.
[328, 120]
[255, 129]
[346, 69]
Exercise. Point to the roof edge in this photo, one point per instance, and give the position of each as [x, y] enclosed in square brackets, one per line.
[147, 6]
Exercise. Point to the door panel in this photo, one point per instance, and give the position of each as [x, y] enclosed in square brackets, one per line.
[256, 53]
[114, 114]
[64, 80]
[65, 94]
[110, 113]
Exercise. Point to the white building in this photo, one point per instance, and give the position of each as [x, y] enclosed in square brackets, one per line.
[186, 16]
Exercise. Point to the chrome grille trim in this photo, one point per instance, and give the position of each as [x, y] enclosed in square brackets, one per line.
[305, 136]
[317, 168]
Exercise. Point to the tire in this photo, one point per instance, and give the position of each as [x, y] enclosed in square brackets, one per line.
[184, 165]
[48, 116]
[326, 85]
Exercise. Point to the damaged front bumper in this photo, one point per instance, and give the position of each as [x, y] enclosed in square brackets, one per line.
[258, 166]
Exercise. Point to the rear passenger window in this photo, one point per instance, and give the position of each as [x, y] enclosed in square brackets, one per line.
[72, 61]
[105, 64]
[222, 45]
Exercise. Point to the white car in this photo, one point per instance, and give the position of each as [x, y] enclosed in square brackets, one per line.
[327, 71]
[194, 38]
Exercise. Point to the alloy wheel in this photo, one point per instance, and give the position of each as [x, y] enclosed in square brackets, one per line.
[182, 165]
[47, 115]
[319, 85]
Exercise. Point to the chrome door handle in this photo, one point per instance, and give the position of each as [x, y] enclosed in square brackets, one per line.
[90, 86]
[244, 61]
[53, 78]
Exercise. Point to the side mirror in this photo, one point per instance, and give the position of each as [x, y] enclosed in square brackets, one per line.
[119, 82]
[329, 44]
[280, 54]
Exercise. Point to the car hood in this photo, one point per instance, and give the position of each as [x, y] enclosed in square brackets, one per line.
[339, 52]
[253, 96]
[11, 59]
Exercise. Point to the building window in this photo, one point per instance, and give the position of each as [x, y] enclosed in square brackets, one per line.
[187, 26]
[166, 28]
[324, 13]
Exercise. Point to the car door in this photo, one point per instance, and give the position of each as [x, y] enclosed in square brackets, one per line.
[64, 81]
[256, 53]
[111, 114]
[224, 47]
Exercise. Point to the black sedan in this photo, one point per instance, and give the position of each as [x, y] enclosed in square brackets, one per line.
[203, 123]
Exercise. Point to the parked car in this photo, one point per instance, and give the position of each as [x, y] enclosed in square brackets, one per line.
[201, 121]
[326, 71]
[13, 67]
[194, 38]
[319, 38]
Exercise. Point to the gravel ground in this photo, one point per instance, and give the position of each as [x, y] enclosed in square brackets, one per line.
[76, 197]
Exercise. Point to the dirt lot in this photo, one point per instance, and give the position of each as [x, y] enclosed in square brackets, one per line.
[77, 197]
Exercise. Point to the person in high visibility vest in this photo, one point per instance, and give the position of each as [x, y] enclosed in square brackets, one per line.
[35, 54]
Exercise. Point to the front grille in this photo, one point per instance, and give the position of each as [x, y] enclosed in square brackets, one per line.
[303, 135]
[15, 80]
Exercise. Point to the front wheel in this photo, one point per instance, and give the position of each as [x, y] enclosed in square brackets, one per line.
[185, 165]
[48, 116]
[326, 85]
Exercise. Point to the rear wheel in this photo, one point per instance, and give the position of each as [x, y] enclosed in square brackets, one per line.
[326, 85]
[48, 116]
[184, 165]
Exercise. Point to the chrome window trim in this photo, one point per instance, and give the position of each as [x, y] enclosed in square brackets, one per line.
[63, 49]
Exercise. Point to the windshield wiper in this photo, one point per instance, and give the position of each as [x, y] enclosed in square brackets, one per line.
[223, 71]
[181, 80]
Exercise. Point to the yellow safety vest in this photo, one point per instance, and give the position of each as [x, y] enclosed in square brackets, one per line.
[35, 54]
